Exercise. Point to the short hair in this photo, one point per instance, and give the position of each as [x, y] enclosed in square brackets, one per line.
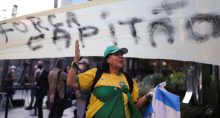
[61, 63]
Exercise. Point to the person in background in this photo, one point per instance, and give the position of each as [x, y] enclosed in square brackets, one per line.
[57, 87]
[41, 87]
[33, 90]
[111, 96]
[81, 95]
[9, 81]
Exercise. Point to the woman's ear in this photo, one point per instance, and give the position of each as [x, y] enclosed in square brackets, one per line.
[107, 60]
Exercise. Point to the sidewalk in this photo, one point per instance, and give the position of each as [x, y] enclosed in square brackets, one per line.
[20, 112]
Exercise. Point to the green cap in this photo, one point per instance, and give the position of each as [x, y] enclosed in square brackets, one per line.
[114, 49]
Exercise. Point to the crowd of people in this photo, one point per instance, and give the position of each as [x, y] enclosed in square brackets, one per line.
[104, 91]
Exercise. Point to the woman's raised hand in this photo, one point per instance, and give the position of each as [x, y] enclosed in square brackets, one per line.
[77, 52]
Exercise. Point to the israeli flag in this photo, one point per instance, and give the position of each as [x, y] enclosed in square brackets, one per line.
[164, 104]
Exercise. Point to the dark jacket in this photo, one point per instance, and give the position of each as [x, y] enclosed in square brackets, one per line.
[42, 82]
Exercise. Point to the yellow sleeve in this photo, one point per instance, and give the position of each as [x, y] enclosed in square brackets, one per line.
[85, 79]
[135, 92]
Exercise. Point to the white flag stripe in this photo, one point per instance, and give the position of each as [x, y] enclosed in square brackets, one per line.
[164, 104]
[164, 111]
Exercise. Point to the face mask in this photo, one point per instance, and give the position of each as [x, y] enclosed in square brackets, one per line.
[82, 67]
[12, 70]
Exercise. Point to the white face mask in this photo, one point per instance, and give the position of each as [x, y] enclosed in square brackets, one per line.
[81, 67]
[12, 70]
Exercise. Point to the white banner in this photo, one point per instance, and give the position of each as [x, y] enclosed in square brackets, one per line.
[187, 30]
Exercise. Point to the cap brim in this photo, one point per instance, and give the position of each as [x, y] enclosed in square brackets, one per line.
[124, 50]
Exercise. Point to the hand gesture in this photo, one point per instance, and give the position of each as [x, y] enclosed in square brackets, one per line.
[77, 52]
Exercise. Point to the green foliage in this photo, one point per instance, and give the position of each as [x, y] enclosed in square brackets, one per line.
[148, 83]
[175, 82]
[189, 111]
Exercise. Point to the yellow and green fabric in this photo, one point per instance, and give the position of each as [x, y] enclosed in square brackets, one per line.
[111, 97]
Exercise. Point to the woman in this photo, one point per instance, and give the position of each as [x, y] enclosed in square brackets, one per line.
[110, 96]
